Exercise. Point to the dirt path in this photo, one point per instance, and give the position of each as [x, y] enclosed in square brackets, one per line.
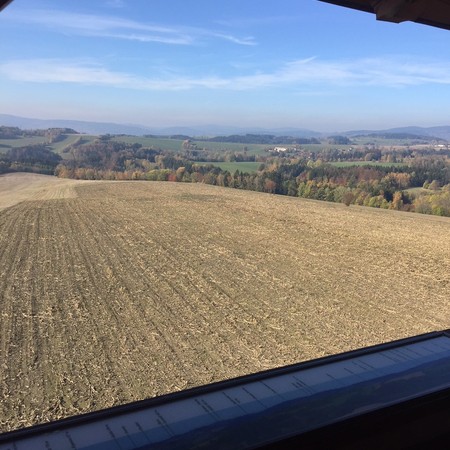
[18, 187]
[134, 289]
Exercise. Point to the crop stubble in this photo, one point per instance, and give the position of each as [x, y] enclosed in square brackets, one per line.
[135, 289]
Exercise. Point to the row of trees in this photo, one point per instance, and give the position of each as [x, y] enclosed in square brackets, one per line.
[375, 186]
[379, 187]
[33, 158]
[53, 134]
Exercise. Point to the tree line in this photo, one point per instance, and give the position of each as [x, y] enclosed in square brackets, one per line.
[374, 186]
[306, 175]
[32, 158]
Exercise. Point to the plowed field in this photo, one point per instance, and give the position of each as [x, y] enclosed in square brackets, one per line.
[18, 187]
[132, 289]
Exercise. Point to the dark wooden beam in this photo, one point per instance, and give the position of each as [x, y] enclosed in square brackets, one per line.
[4, 3]
[435, 13]
[399, 10]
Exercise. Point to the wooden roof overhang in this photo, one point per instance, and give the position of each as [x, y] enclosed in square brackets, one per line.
[4, 3]
[435, 13]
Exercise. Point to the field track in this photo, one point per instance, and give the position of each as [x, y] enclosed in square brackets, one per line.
[113, 292]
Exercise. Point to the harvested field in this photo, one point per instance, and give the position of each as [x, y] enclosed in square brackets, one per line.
[128, 290]
[18, 187]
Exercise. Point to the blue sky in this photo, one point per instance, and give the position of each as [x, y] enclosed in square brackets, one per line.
[247, 63]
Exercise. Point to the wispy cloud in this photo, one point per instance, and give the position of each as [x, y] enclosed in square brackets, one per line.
[119, 28]
[383, 71]
[245, 22]
[91, 73]
[115, 3]
[241, 41]
[300, 74]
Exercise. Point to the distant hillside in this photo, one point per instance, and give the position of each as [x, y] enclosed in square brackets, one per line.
[268, 139]
[403, 136]
[78, 125]
[211, 130]
[441, 132]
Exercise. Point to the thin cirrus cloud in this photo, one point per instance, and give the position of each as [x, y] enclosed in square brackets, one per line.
[312, 72]
[115, 3]
[244, 22]
[89, 25]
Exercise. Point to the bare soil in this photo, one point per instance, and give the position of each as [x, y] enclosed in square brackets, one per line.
[18, 187]
[129, 290]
